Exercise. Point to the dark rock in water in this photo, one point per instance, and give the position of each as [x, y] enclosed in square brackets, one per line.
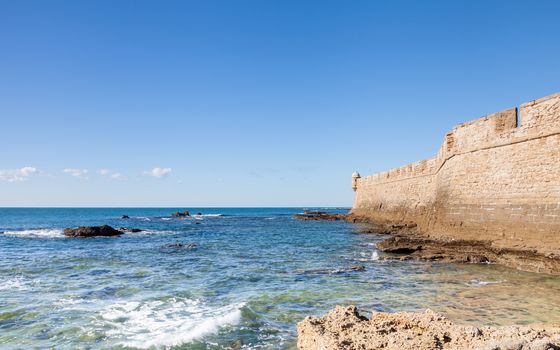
[197, 223]
[92, 231]
[181, 214]
[198, 213]
[125, 217]
[179, 245]
[128, 229]
[320, 215]
[337, 270]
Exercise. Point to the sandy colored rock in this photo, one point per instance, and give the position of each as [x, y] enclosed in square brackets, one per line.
[343, 328]
[418, 247]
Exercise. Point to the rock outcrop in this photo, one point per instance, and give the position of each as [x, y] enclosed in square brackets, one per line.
[180, 214]
[344, 328]
[319, 215]
[92, 231]
[418, 247]
[129, 229]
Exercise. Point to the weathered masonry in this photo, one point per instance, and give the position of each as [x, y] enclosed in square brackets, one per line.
[496, 178]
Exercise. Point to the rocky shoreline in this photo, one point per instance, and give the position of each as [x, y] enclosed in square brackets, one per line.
[345, 328]
[407, 243]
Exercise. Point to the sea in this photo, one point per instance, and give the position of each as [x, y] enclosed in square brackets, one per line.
[248, 277]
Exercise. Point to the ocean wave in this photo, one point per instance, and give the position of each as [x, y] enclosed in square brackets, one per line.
[207, 215]
[19, 283]
[165, 323]
[154, 232]
[37, 233]
[366, 256]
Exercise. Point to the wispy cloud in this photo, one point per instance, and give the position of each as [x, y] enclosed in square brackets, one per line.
[15, 175]
[111, 174]
[82, 173]
[118, 176]
[158, 172]
[103, 172]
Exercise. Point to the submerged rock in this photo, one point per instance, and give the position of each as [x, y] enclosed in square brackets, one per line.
[179, 245]
[345, 328]
[92, 231]
[336, 270]
[131, 230]
[125, 217]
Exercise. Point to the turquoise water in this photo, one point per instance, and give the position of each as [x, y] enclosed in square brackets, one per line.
[251, 278]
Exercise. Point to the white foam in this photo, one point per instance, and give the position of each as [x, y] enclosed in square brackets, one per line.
[483, 283]
[153, 232]
[38, 233]
[14, 284]
[207, 215]
[374, 255]
[19, 283]
[165, 323]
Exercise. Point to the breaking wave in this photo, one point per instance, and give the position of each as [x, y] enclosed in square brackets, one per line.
[165, 323]
[196, 216]
[37, 233]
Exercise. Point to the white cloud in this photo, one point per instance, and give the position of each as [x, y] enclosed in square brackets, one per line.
[15, 175]
[76, 172]
[118, 176]
[158, 172]
[111, 174]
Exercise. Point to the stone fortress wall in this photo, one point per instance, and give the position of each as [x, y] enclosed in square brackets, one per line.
[496, 179]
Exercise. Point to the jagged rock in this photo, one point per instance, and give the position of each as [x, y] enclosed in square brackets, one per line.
[92, 231]
[344, 328]
[128, 229]
[181, 214]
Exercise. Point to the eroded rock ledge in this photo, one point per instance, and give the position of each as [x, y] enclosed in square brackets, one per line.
[407, 243]
[344, 328]
[416, 246]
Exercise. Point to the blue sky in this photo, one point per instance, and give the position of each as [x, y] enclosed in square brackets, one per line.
[249, 103]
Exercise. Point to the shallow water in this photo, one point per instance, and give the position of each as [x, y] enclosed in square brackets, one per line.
[248, 283]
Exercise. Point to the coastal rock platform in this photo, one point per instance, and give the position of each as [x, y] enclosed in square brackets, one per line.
[419, 247]
[345, 328]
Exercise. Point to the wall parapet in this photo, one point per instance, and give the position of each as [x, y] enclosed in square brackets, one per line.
[535, 119]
